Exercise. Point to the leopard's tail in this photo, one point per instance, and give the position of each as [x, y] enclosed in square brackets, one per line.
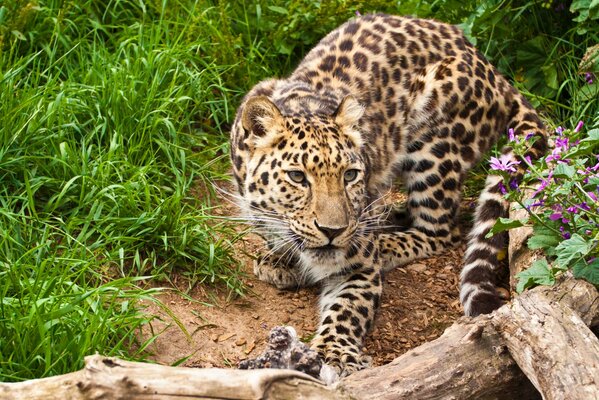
[483, 267]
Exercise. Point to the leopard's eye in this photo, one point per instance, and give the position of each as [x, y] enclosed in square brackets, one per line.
[297, 176]
[350, 175]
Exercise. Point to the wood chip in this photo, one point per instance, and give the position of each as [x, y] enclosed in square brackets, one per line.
[225, 336]
[416, 267]
[250, 347]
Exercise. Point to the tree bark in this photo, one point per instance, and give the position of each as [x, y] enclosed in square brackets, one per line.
[551, 343]
[519, 256]
[470, 360]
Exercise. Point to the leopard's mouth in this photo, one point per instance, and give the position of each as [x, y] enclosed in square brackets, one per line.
[323, 252]
[326, 247]
[322, 247]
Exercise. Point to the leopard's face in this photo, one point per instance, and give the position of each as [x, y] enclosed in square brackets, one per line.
[305, 186]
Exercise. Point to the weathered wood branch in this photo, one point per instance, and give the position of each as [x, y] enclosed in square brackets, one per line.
[111, 378]
[470, 360]
[551, 342]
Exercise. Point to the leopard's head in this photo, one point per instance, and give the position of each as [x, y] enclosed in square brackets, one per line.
[305, 180]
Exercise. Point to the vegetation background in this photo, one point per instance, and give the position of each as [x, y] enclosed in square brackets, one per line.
[114, 119]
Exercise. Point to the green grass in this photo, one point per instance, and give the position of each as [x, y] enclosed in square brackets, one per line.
[111, 111]
[106, 123]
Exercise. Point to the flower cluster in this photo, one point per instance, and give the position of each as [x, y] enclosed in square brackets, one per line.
[561, 194]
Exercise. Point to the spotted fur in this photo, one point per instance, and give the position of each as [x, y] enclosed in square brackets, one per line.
[379, 98]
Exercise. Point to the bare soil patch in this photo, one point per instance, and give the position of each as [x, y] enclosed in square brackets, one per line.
[419, 301]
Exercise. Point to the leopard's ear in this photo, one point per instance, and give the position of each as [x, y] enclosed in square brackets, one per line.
[347, 116]
[349, 112]
[261, 117]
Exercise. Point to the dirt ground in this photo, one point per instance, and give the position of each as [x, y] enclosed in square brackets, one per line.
[419, 301]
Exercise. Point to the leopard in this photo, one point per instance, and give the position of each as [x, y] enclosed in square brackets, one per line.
[381, 99]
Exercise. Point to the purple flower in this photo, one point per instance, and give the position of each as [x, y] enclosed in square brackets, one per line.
[544, 184]
[504, 163]
[529, 135]
[511, 136]
[562, 143]
[555, 216]
[358, 13]
[578, 126]
[572, 209]
[513, 184]
[502, 188]
[592, 195]
[588, 76]
[538, 203]
[588, 232]
[528, 159]
[559, 130]
[555, 155]
[565, 234]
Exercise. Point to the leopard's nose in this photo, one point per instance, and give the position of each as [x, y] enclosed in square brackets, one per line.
[330, 232]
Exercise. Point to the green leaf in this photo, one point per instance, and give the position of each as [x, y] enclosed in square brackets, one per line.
[564, 171]
[278, 10]
[550, 73]
[572, 249]
[593, 135]
[544, 238]
[588, 92]
[588, 271]
[504, 224]
[539, 273]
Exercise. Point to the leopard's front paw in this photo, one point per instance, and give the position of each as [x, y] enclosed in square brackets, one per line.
[338, 367]
[343, 361]
[279, 275]
[351, 363]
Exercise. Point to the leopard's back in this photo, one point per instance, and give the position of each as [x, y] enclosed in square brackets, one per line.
[408, 74]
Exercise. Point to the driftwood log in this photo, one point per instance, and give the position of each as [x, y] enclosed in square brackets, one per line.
[537, 346]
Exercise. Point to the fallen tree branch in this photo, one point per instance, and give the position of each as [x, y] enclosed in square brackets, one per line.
[111, 378]
[552, 344]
